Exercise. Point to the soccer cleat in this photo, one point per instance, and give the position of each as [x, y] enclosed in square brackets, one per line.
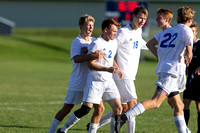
[120, 120]
[88, 126]
[59, 131]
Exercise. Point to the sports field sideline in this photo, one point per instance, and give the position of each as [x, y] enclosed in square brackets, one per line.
[34, 71]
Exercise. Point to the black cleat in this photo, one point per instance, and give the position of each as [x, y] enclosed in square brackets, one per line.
[58, 131]
[88, 126]
[120, 120]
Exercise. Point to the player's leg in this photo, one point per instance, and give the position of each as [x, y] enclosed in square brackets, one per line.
[178, 114]
[186, 110]
[159, 96]
[198, 115]
[98, 111]
[117, 110]
[131, 122]
[106, 119]
[76, 116]
[59, 117]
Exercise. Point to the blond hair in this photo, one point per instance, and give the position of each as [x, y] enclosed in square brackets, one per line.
[167, 13]
[184, 14]
[85, 18]
[194, 24]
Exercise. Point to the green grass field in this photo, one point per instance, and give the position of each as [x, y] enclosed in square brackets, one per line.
[35, 67]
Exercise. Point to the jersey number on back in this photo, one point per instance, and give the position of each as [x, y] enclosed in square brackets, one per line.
[168, 42]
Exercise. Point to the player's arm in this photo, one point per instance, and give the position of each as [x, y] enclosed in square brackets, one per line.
[151, 45]
[93, 66]
[82, 58]
[189, 54]
[119, 71]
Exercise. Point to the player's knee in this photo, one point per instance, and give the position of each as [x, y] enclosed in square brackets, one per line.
[84, 110]
[156, 105]
[99, 109]
[118, 110]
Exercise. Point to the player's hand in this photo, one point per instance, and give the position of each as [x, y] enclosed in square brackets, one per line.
[187, 60]
[84, 50]
[97, 54]
[112, 69]
[197, 71]
[120, 73]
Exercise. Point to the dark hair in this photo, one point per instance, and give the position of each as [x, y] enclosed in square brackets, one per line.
[108, 22]
[140, 9]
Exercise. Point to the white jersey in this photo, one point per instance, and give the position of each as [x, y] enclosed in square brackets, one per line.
[172, 43]
[130, 43]
[109, 48]
[79, 72]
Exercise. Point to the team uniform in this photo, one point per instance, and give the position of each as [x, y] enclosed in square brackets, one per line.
[79, 72]
[100, 84]
[192, 87]
[171, 68]
[130, 43]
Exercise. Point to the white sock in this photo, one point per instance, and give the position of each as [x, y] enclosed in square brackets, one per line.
[180, 124]
[93, 128]
[72, 120]
[106, 119]
[54, 126]
[112, 125]
[131, 125]
[136, 110]
[187, 129]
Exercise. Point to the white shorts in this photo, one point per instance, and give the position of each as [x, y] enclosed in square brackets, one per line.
[74, 97]
[96, 91]
[181, 82]
[168, 82]
[126, 89]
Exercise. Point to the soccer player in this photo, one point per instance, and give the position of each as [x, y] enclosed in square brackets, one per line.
[170, 49]
[192, 91]
[100, 84]
[130, 43]
[79, 72]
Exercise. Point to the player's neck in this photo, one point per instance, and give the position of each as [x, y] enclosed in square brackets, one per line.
[195, 38]
[133, 26]
[85, 37]
[165, 27]
[105, 37]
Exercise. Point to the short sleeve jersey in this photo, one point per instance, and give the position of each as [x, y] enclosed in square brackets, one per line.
[79, 72]
[109, 49]
[172, 43]
[130, 43]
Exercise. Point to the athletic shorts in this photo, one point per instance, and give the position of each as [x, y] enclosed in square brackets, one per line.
[96, 91]
[126, 89]
[74, 97]
[167, 82]
[192, 88]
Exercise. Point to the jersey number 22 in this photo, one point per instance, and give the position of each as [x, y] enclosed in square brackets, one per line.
[168, 42]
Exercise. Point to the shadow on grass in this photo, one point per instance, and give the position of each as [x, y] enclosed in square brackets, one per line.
[19, 126]
[41, 44]
[32, 127]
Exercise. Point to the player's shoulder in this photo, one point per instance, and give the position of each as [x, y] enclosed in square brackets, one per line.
[77, 39]
[97, 40]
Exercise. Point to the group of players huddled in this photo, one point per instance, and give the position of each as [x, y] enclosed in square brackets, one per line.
[104, 70]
